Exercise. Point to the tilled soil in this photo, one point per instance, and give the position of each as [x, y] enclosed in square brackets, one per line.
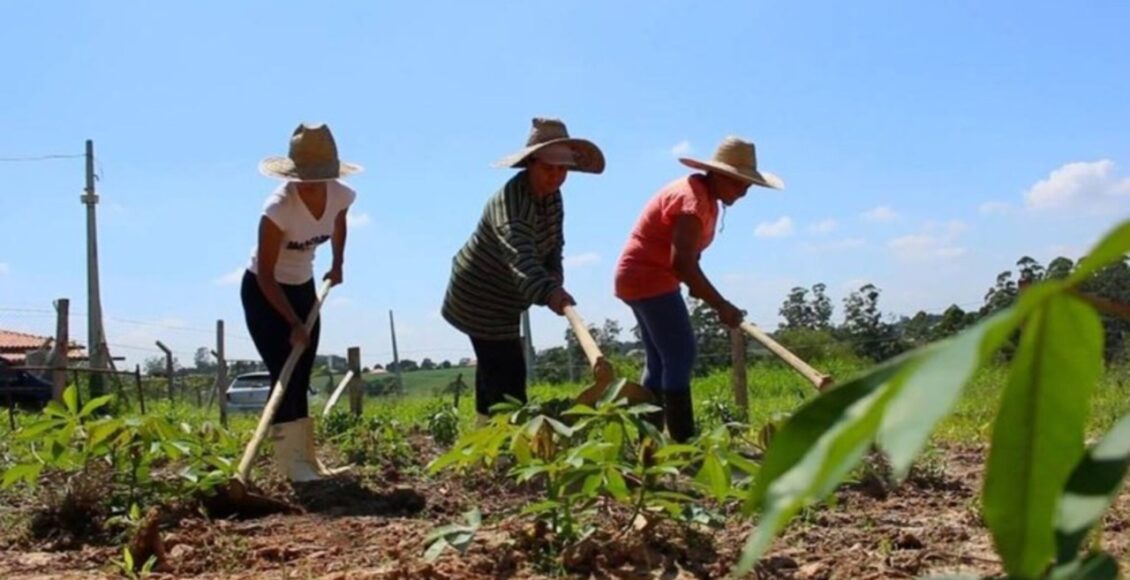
[373, 524]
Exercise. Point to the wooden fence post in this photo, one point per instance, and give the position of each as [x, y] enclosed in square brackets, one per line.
[740, 383]
[140, 391]
[168, 370]
[221, 389]
[356, 390]
[61, 350]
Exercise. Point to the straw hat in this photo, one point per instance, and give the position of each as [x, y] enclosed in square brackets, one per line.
[312, 157]
[736, 158]
[587, 157]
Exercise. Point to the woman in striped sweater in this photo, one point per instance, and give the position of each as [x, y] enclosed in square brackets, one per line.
[513, 259]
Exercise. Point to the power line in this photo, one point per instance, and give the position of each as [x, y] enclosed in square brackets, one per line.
[30, 158]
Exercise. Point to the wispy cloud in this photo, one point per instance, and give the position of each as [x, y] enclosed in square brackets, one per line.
[880, 214]
[783, 227]
[1080, 185]
[841, 245]
[826, 226]
[358, 220]
[681, 149]
[995, 208]
[231, 278]
[581, 260]
[4, 268]
[938, 240]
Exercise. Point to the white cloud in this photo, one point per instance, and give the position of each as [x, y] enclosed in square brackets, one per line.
[938, 240]
[880, 214]
[4, 268]
[995, 208]
[835, 245]
[681, 149]
[912, 242]
[582, 260]
[358, 220]
[924, 247]
[1079, 185]
[947, 230]
[231, 278]
[823, 227]
[339, 302]
[781, 228]
[950, 252]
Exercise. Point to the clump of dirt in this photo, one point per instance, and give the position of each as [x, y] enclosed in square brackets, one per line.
[72, 509]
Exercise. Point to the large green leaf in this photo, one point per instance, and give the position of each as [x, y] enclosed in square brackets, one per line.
[1100, 566]
[932, 389]
[816, 449]
[714, 477]
[35, 430]
[28, 472]
[70, 399]
[103, 430]
[1091, 489]
[1038, 434]
[813, 421]
[55, 409]
[95, 404]
[616, 485]
[1111, 248]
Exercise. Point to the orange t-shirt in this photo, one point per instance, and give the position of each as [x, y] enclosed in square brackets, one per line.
[646, 269]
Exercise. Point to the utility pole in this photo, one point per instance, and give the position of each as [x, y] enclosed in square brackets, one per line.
[395, 354]
[95, 333]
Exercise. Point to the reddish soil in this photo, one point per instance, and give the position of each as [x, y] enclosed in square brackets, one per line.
[373, 525]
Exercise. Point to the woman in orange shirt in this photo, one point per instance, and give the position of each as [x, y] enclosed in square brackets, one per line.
[662, 252]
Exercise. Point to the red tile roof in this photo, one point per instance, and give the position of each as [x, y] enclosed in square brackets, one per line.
[14, 345]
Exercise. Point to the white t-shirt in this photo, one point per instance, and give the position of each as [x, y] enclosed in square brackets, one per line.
[302, 233]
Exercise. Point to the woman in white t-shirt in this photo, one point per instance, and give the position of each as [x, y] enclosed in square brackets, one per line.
[278, 288]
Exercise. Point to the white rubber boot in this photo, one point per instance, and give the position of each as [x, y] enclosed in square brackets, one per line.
[310, 453]
[290, 452]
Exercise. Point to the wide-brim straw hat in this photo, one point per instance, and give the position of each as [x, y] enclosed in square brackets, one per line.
[312, 157]
[736, 158]
[587, 157]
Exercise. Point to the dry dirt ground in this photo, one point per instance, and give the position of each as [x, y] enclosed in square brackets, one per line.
[374, 525]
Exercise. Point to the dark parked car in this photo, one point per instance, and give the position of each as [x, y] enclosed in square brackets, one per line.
[19, 387]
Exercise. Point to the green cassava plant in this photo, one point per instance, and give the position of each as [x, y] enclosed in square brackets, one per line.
[1043, 491]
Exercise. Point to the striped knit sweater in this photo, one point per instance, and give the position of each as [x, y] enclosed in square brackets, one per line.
[510, 262]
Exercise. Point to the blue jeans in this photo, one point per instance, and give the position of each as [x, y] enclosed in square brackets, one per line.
[668, 339]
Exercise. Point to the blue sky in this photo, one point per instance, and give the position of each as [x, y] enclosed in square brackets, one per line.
[925, 147]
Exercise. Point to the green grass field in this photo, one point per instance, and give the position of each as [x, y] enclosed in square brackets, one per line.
[415, 382]
[773, 389]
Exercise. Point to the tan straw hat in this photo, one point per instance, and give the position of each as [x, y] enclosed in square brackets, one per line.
[312, 157]
[587, 157]
[736, 158]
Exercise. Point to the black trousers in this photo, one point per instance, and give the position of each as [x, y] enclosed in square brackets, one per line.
[500, 371]
[271, 335]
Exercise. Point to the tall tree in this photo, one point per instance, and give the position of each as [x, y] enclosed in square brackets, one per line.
[871, 337]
